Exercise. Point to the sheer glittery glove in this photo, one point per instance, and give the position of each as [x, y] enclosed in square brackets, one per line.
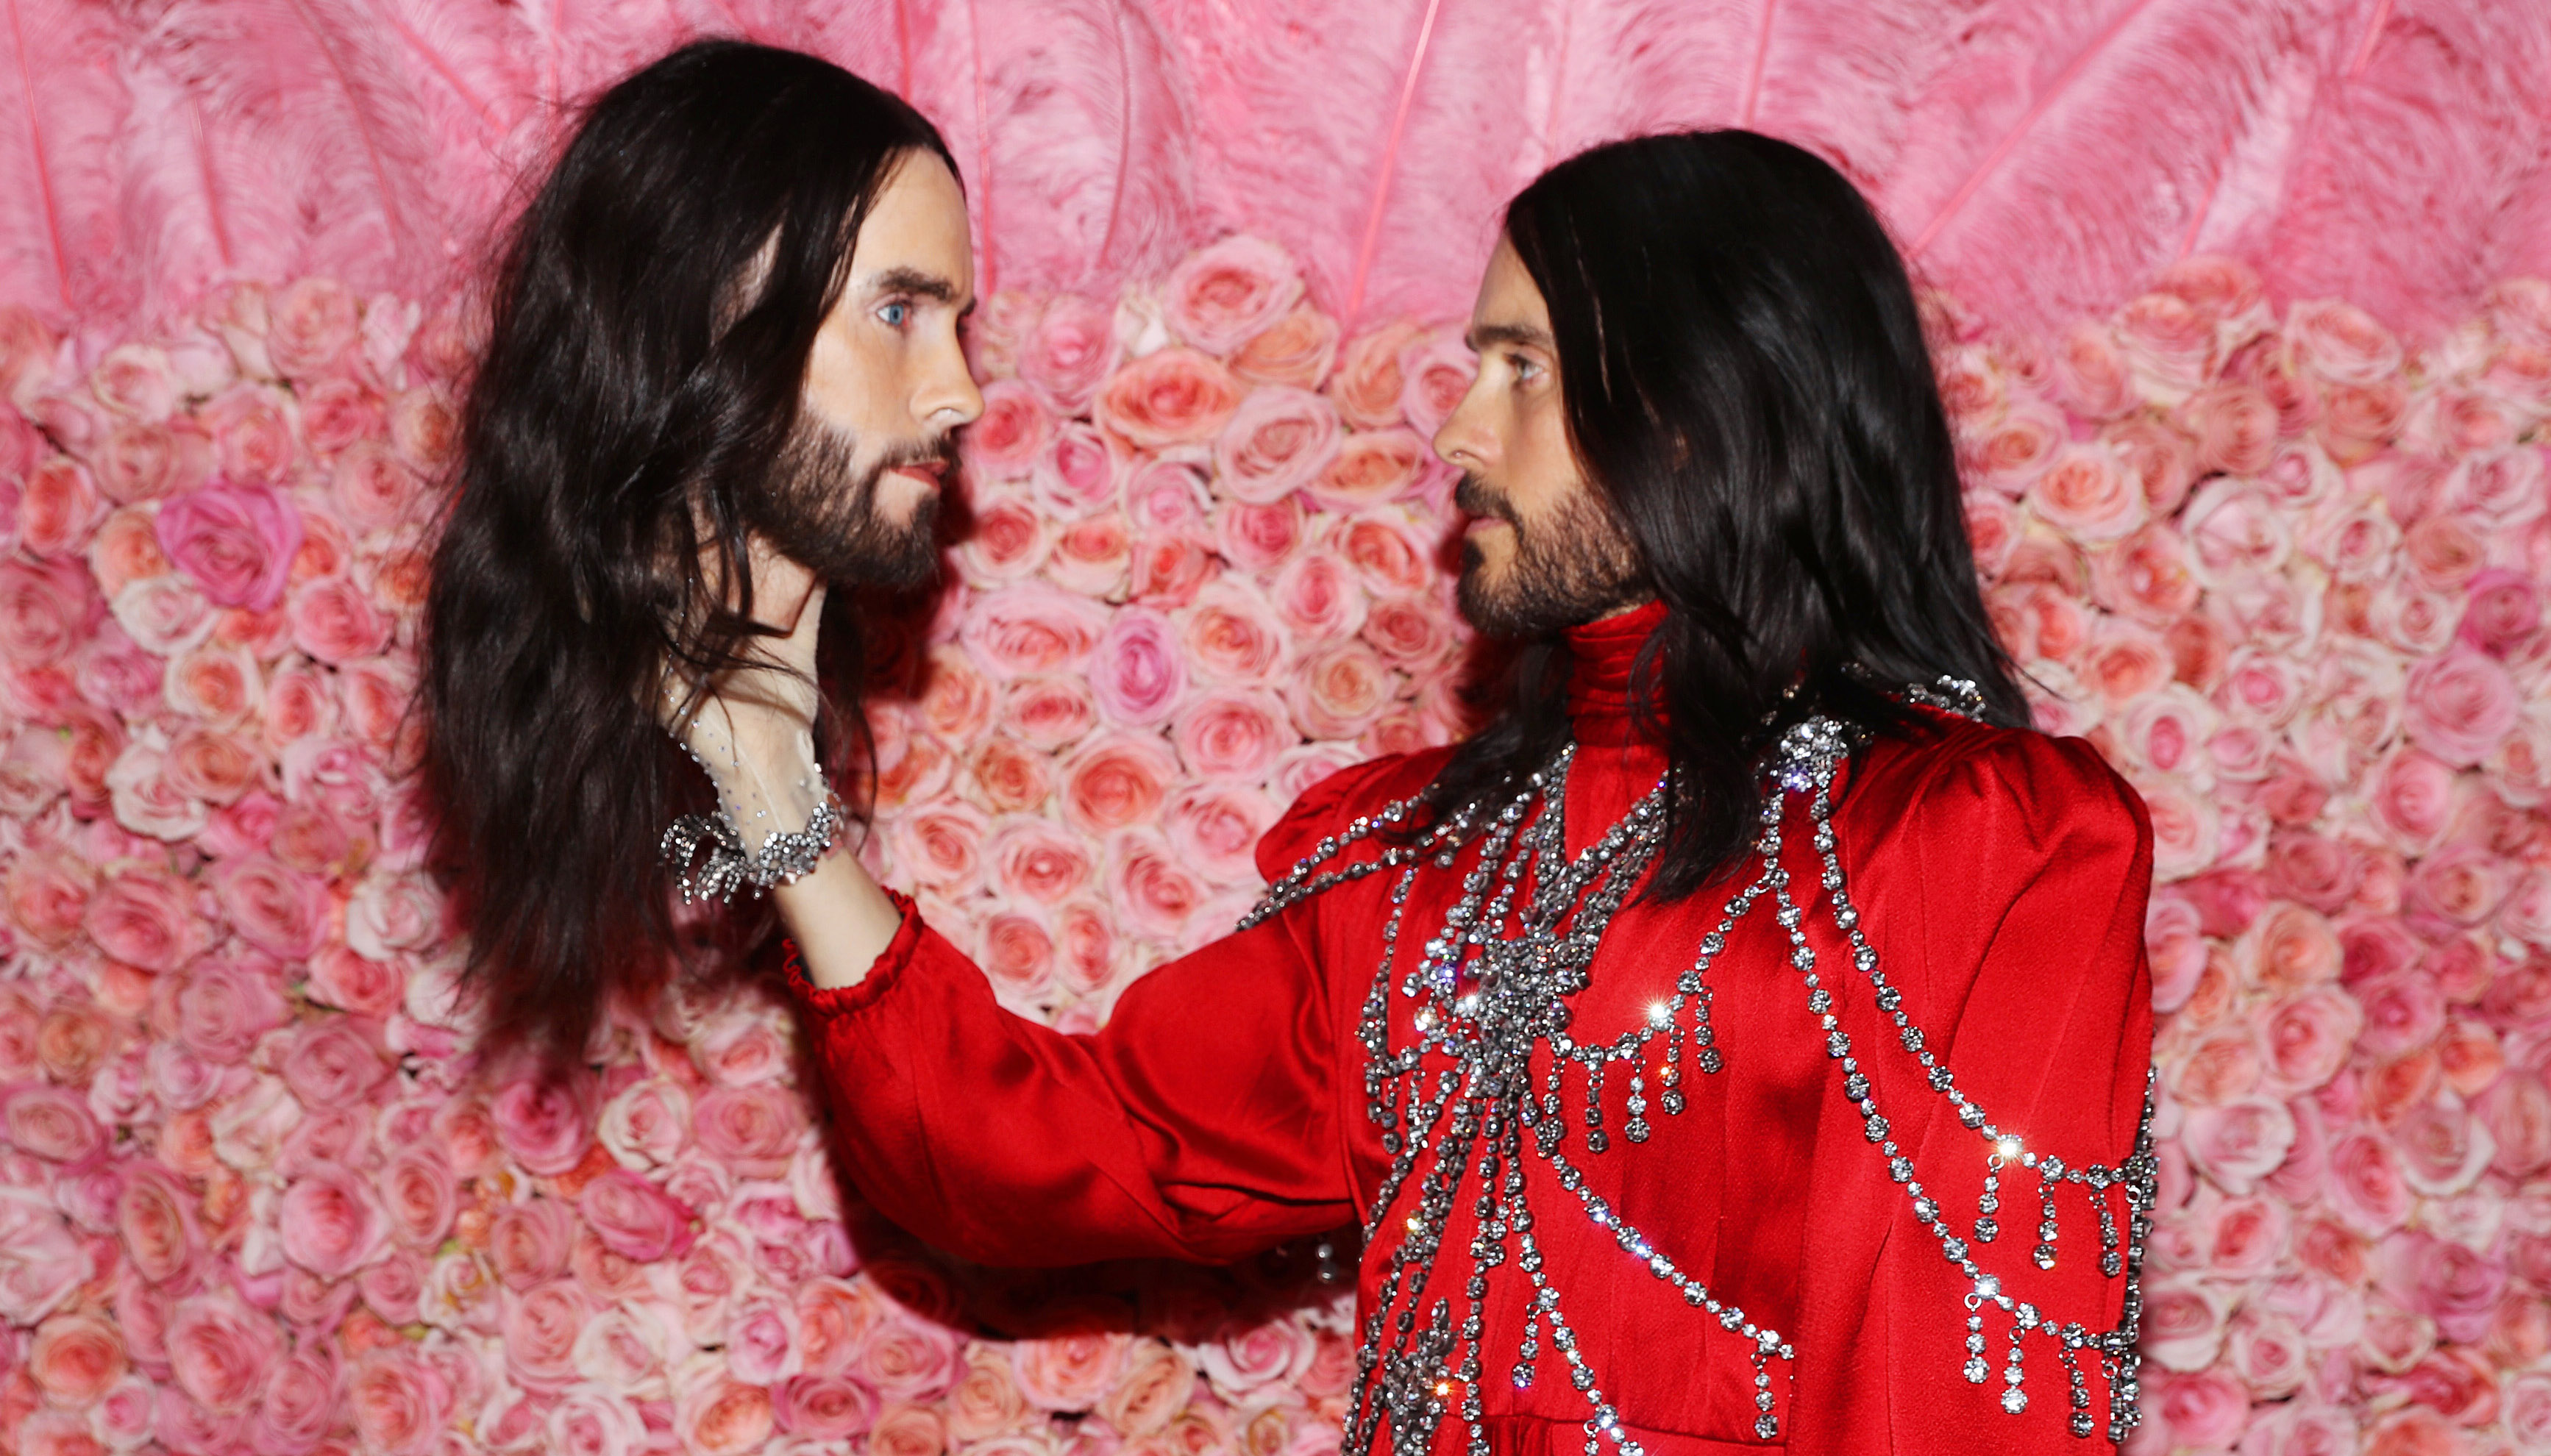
[753, 732]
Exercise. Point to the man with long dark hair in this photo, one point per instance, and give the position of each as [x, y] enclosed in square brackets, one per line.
[725, 331]
[1744, 1040]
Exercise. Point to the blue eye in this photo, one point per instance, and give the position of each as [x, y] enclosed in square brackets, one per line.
[1524, 369]
[896, 314]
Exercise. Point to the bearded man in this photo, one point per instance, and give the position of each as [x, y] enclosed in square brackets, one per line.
[1742, 1041]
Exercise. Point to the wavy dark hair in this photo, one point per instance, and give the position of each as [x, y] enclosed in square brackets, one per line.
[652, 318]
[1747, 387]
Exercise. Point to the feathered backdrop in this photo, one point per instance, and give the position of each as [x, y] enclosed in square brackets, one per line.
[2282, 556]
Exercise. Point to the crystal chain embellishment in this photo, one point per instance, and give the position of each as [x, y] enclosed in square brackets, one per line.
[1492, 1019]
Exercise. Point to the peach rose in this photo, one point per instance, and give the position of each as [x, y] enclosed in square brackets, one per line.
[58, 507]
[908, 1359]
[1116, 780]
[1032, 628]
[825, 1407]
[1257, 537]
[1047, 712]
[1340, 690]
[1009, 541]
[337, 412]
[1435, 373]
[373, 489]
[1372, 467]
[1167, 571]
[1037, 859]
[125, 550]
[1993, 533]
[2087, 495]
[2161, 459]
[940, 845]
[1070, 1370]
[1368, 386]
[312, 326]
[908, 1431]
[1225, 294]
[215, 683]
[1157, 1383]
[1010, 777]
[1173, 396]
[1297, 349]
[1278, 440]
[2006, 454]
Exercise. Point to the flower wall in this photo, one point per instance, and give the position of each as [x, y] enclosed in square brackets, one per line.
[2287, 571]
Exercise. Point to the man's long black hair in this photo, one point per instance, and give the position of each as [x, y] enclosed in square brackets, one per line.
[1748, 388]
[652, 320]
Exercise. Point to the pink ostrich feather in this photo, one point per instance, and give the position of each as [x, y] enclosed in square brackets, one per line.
[62, 247]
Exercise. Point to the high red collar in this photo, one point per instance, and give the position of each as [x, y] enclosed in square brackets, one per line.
[1604, 652]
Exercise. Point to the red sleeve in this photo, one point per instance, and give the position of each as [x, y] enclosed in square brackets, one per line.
[1203, 1123]
[2010, 908]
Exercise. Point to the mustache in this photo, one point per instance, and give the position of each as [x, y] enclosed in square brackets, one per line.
[1475, 497]
[939, 450]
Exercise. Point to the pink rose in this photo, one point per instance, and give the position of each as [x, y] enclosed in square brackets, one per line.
[335, 622]
[2232, 528]
[541, 1329]
[1049, 713]
[825, 1407]
[1038, 860]
[1070, 1370]
[2005, 456]
[2441, 1280]
[399, 1401]
[1232, 638]
[236, 541]
[1167, 572]
[530, 1241]
[2249, 1234]
[1009, 541]
[1166, 496]
[1373, 467]
[275, 908]
[1225, 294]
[751, 1130]
[1249, 1361]
[1277, 441]
[332, 1064]
[2403, 1013]
[908, 1359]
[135, 380]
[589, 1422]
[546, 1126]
[1340, 690]
[1231, 733]
[338, 412]
[2341, 343]
[1297, 349]
[2238, 1142]
[2443, 1149]
[221, 1352]
[1136, 673]
[1116, 781]
[147, 918]
[1069, 351]
[2308, 1037]
[58, 507]
[1016, 952]
[373, 489]
[2168, 345]
[1076, 472]
[140, 462]
[1259, 539]
[1005, 442]
[2504, 613]
[1154, 890]
[313, 325]
[223, 1007]
[331, 1223]
[2366, 1187]
[2412, 799]
[2461, 706]
[1435, 373]
[43, 610]
[940, 845]
[1318, 599]
[1368, 386]
[1031, 628]
[52, 1124]
[2184, 1323]
[1171, 397]
[2091, 372]
[2505, 487]
[2234, 426]
[2126, 661]
[75, 1359]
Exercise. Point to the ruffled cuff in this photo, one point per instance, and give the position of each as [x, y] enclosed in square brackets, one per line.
[883, 972]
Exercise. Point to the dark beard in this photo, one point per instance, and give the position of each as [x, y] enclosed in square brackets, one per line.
[819, 508]
[1577, 566]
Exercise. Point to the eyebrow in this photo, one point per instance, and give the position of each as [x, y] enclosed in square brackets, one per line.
[1488, 335]
[916, 282]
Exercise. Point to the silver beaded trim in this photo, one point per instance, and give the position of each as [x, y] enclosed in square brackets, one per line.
[1489, 1001]
[728, 867]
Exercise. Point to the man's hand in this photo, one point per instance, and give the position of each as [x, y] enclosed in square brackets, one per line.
[752, 727]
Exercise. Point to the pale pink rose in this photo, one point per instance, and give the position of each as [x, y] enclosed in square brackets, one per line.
[221, 1352]
[1434, 375]
[2461, 884]
[985, 1401]
[1070, 1370]
[1003, 444]
[2168, 345]
[2262, 688]
[542, 1324]
[273, 907]
[146, 917]
[1226, 294]
[1075, 473]
[908, 1359]
[2234, 426]
[2007, 450]
[589, 1421]
[1085, 947]
[2506, 487]
[125, 550]
[2403, 1012]
[165, 614]
[1009, 541]
[2357, 545]
[1247, 1362]
[2233, 527]
[716, 1415]
[1277, 441]
[1383, 549]
[1167, 572]
[2237, 1142]
[2186, 831]
[1167, 497]
[2176, 946]
[751, 1130]
[1259, 539]
[423, 428]
[2411, 800]
[1032, 628]
[825, 1407]
[2091, 372]
[234, 541]
[1373, 467]
[1049, 713]
[2444, 553]
[2249, 1236]
[53, 1123]
[545, 1125]
[338, 412]
[299, 1404]
[145, 802]
[311, 325]
[834, 1320]
[1317, 598]
[332, 1064]
[335, 622]
[940, 845]
[44, 610]
[2440, 1280]
[1069, 351]
[2308, 1037]
[2340, 342]
[2292, 949]
[1368, 385]
[1992, 533]
[760, 1342]
[298, 704]
[1407, 631]
[1154, 889]
[1340, 690]
[2184, 1323]
[645, 1126]
[623, 1349]
[210, 765]
[2503, 615]
[739, 1048]
[354, 983]
[1136, 672]
[58, 507]
[2526, 912]
[1116, 781]
[2460, 707]
[139, 462]
[1232, 733]
[223, 1007]
[135, 380]
[1173, 396]
[1039, 861]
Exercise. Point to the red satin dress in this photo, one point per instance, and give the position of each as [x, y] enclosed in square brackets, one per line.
[2000, 877]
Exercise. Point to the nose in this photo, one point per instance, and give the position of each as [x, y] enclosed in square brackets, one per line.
[948, 396]
[1464, 441]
